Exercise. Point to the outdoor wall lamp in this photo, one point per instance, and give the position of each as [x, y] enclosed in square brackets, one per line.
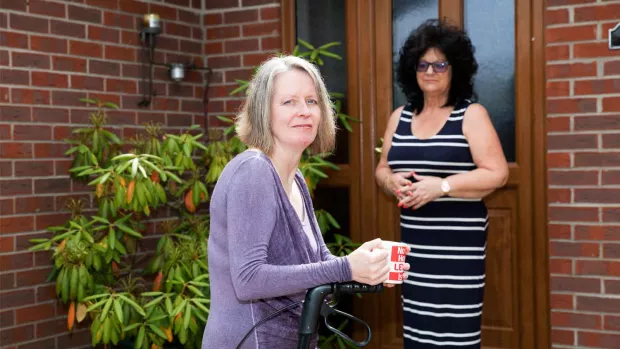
[151, 27]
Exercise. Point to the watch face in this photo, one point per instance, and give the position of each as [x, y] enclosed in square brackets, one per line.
[445, 186]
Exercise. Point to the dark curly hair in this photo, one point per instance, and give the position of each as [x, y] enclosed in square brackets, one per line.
[454, 44]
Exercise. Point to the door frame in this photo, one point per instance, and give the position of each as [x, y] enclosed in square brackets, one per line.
[370, 99]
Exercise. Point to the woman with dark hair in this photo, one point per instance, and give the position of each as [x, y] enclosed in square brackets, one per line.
[441, 155]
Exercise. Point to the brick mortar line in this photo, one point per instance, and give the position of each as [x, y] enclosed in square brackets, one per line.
[102, 42]
[72, 73]
[243, 37]
[600, 95]
[242, 23]
[235, 9]
[587, 204]
[589, 4]
[587, 329]
[597, 23]
[600, 295]
[228, 54]
[584, 132]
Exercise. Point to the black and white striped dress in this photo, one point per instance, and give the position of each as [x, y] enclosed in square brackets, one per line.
[442, 297]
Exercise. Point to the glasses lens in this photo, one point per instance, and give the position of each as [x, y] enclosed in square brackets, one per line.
[422, 67]
[440, 67]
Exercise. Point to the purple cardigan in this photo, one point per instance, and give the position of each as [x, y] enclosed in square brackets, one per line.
[260, 259]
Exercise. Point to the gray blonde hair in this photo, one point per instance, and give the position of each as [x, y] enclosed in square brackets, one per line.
[253, 123]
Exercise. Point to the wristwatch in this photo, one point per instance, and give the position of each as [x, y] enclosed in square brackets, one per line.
[445, 187]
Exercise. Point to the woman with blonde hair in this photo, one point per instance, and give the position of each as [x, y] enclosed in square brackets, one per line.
[265, 247]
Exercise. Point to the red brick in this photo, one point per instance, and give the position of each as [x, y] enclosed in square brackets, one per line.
[571, 106]
[50, 150]
[562, 142]
[213, 19]
[563, 336]
[4, 57]
[129, 38]
[603, 268]
[104, 68]
[14, 77]
[214, 48]
[177, 29]
[611, 104]
[46, 79]
[84, 14]
[20, 223]
[6, 244]
[48, 44]
[560, 266]
[34, 204]
[243, 45]
[33, 277]
[52, 185]
[567, 2]
[15, 150]
[588, 87]
[558, 160]
[555, 195]
[53, 326]
[558, 124]
[11, 39]
[573, 249]
[571, 33]
[34, 168]
[271, 43]
[89, 49]
[573, 177]
[594, 232]
[134, 7]
[224, 61]
[13, 5]
[28, 23]
[242, 16]
[597, 195]
[558, 88]
[16, 261]
[123, 86]
[223, 33]
[592, 50]
[269, 13]
[214, 4]
[612, 322]
[23, 96]
[47, 8]
[11, 113]
[597, 159]
[612, 286]
[598, 340]
[575, 284]
[30, 60]
[257, 2]
[597, 122]
[558, 16]
[44, 221]
[611, 250]
[109, 4]
[16, 335]
[68, 98]
[120, 53]
[86, 82]
[570, 70]
[119, 20]
[74, 65]
[559, 231]
[569, 319]
[612, 68]
[71, 29]
[191, 47]
[611, 140]
[103, 34]
[34, 313]
[268, 28]
[597, 13]
[561, 301]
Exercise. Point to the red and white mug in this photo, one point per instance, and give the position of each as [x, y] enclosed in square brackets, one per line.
[396, 259]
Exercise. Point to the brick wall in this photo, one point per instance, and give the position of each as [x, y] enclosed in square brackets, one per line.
[240, 35]
[583, 123]
[53, 52]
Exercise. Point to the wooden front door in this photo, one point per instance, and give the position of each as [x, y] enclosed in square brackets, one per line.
[512, 88]
[508, 36]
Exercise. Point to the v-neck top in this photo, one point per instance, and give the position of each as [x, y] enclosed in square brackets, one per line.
[260, 256]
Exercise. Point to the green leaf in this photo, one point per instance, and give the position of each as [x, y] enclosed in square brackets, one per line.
[106, 308]
[129, 230]
[132, 303]
[118, 310]
[131, 327]
[305, 44]
[88, 100]
[111, 105]
[96, 305]
[158, 331]
[225, 119]
[187, 316]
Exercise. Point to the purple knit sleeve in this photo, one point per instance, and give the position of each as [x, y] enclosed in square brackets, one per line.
[252, 213]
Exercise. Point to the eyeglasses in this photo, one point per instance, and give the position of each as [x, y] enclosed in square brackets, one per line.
[438, 67]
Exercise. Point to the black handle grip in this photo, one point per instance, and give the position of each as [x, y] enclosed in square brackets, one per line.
[356, 287]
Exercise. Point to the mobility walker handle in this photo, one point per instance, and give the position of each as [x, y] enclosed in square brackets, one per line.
[315, 305]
